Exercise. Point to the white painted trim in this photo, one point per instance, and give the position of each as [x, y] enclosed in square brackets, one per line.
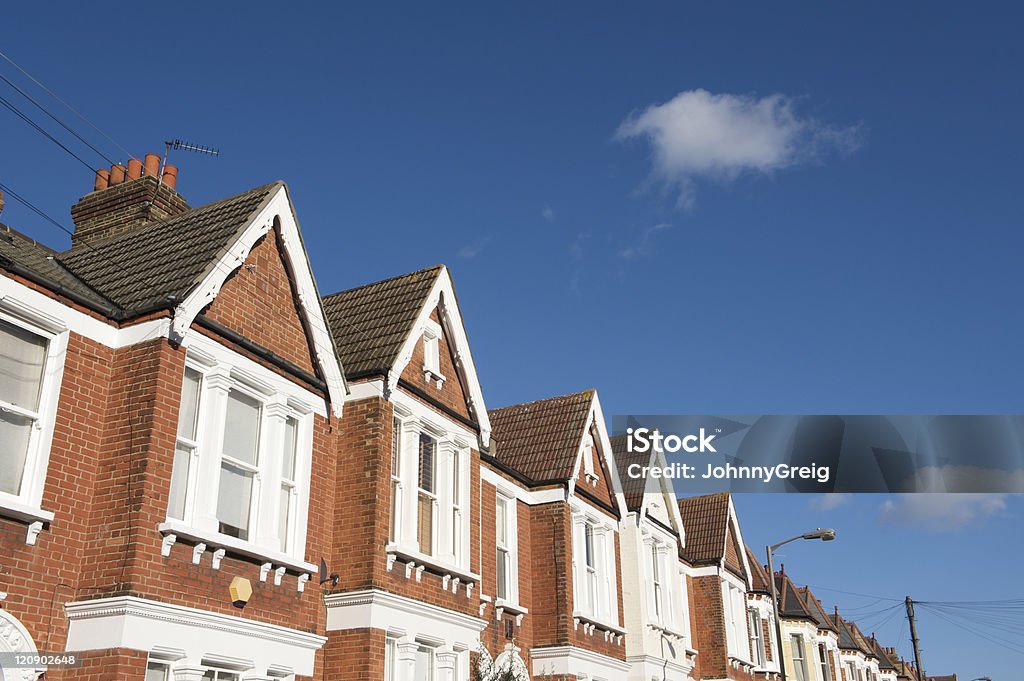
[215, 540]
[442, 297]
[567, 660]
[596, 418]
[276, 207]
[142, 624]
[15, 638]
[514, 489]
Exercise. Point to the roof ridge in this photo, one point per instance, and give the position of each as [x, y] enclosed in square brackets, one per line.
[383, 281]
[99, 243]
[588, 392]
[10, 230]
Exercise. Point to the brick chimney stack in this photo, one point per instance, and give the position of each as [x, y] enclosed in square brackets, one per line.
[125, 198]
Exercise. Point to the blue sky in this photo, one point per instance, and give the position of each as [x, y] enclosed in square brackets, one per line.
[696, 208]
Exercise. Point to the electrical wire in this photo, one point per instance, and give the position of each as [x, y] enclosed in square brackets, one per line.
[17, 112]
[57, 120]
[68, 106]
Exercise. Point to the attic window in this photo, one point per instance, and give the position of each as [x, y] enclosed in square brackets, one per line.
[588, 461]
[432, 353]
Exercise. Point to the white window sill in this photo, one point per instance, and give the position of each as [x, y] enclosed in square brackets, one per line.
[600, 624]
[216, 540]
[668, 631]
[435, 564]
[510, 607]
[19, 510]
[430, 375]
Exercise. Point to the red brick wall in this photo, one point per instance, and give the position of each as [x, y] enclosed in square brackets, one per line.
[452, 393]
[258, 302]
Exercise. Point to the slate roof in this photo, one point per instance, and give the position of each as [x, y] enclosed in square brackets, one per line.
[791, 602]
[705, 523]
[371, 323]
[632, 488]
[147, 266]
[166, 259]
[883, 658]
[31, 255]
[847, 641]
[758, 575]
[541, 439]
[816, 609]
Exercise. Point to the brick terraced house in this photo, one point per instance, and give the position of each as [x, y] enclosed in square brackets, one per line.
[211, 472]
[554, 460]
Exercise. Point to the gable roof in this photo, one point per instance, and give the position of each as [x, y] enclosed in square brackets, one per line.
[19, 252]
[883, 658]
[371, 323]
[180, 264]
[816, 609]
[861, 639]
[758, 575]
[541, 439]
[791, 602]
[633, 489]
[847, 641]
[158, 264]
[705, 521]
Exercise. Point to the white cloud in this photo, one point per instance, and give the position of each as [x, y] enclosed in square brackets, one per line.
[940, 512]
[830, 502]
[548, 213]
[642, 248]
[471, 250]
[699, 134]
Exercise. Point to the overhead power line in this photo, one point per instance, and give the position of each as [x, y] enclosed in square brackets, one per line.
[70, 108]
[17, 112]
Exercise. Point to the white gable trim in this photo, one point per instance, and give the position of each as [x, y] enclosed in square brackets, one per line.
[735, 523]
[596, 417]
[668, 494]
[277, 208]
[442, 296]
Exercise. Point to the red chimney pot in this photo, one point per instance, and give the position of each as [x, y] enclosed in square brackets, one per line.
[152, 165]
[102, 180]
[134, 169]
[117, 174]
[170, 175]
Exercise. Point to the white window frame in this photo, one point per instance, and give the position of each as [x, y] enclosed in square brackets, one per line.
[200, 519]
[756, 634]
[799, 663]
[432, 352]
[509, 502]
[594, 586]
[430, 496]
[823, 661]
[395, 521]
[390, 658]
[451, 508]
[26, 505]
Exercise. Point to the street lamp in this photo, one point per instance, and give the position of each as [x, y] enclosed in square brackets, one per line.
[826, 534]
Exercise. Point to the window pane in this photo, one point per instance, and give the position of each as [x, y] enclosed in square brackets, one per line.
[15, 431]
[179, 482]
[291, 443]
[502, 522]
[233, 500]
[427, 449]
[426, 524]
[284, 516]
[242, 427]
[22, 355]
[396, 435]
[502, 573]
[588, 541]
[424, 664]
[189, 404]
[156, 671]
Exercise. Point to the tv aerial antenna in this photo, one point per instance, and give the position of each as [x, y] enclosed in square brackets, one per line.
[176, 144]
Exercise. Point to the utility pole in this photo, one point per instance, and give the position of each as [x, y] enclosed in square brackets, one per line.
[913, 638]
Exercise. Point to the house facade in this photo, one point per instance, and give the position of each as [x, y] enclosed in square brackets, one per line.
[210, 471]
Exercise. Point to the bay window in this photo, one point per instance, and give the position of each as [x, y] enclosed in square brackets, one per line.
[796, 643]
[594, 568]
[757, 648]
[31, 363]
[22, 362]
[657, 587]
[426, 505]
[826, 671]
[242, 462]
